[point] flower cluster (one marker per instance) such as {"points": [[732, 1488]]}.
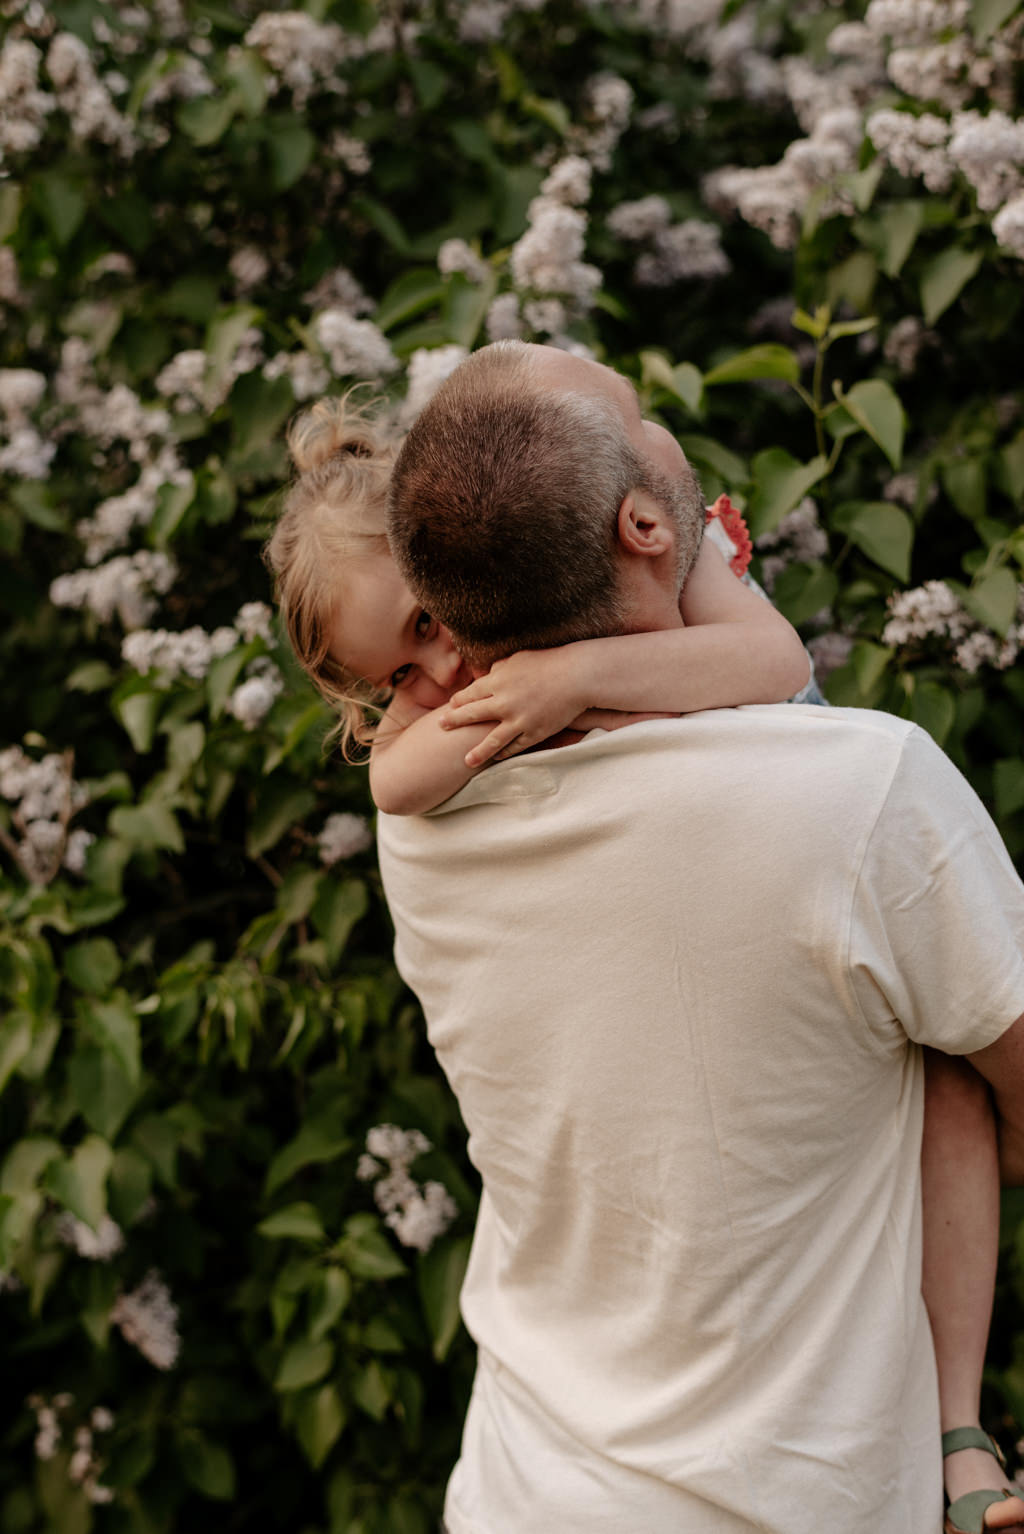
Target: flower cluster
{"points": [[45, 797], [303, 54], [676, 252], [169, 655], [343, 836], [191, 384], [148, 1318], [934, 611], [417, 1215], [458, 256], [553, 283], [798, 538], [253, 698], [84, 1466], [354, 348], [428, 368], [127, 585], [98, 1245], [24, 454]]}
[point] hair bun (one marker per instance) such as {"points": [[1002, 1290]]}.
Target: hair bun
{"points": [[335, 429]]}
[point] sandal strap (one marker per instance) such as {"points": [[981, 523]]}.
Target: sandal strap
{"points": [[970, 1438], [967, 1513]]}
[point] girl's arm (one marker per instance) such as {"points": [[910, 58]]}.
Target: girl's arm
{"points": [[415, 764], [735, 648]]}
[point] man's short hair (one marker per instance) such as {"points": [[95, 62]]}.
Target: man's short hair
{"points": [[504, 503]]}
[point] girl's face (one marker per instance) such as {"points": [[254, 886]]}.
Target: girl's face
{"points": [[381, 633]]}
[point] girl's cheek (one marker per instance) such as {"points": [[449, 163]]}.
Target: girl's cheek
{"points": [[426, 693]]}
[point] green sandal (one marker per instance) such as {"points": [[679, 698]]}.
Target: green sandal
{"points": [[967, 1514]]}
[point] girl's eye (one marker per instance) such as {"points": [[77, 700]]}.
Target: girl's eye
{"points": [[424, 623], [399, 676]]}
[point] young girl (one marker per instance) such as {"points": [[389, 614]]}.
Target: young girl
{"points": [[366, 643]]}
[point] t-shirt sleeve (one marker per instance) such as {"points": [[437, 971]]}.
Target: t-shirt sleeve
{"points": [[936, 943]]}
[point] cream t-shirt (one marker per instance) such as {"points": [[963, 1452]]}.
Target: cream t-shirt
{"points": [[674, 974]]}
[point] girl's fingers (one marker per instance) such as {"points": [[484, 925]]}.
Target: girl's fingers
{"points": [[473, 712], [496, 742]]}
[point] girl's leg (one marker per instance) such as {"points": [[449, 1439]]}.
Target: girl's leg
{"points": [[960, 1183]]}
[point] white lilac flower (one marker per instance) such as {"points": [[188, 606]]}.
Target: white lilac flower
{"points": [[303, 53], [641, 219], [26, 455], [148, 1319], [546, 258], [428, 369], [608, 105], [101, 1419], [904, 342], [343, 836], [568, 181], [25, 106], [914, 146], [457, 256], [545, 315], [307, 374], [48, 1433], [482, 21], [98, 1245], [799, 538], [21, 389], [685, 251], [85, 97], [829, 651], [114, 519], [124, 585], [354, 348], [189, 652], [253, 621], [252, 700], [353, 153], [504, 322], [989, 150], [182, 379], [75, 849], [1008, 226], [417, 1215], [249, 267], [338, 289], [924, 612], [184, 79]]}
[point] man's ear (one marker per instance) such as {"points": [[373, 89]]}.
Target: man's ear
{"points": [[644, 527]]}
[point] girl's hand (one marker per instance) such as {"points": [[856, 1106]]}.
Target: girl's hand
{"points": [[531, 696]]}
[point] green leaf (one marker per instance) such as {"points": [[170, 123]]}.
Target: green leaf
{"points": [[304, 1363], [366, 1251], [281, 805], [769, 360], [371, 1392], [893, 232], [319, 1422], [885, 533], [100, 1090], [943, 279], [25, 1164], [869, 661], [337, 908], [172, 502], [384, 221], [138, 711], [15, 1043], [932, 706], [129, 1186], [206, 119], [259, 406], [150, 826], [987, 16], [90, 676], [295, 1222], [308, 718], [705, 451], [327, 1301], [465, 307], [206, 1465], [780, 483], [61, 201], [1011, 468], [439, 1278], [877, 410], [1008, 778], [80, 1182], [315, 1143], [429, 80], [964, 483], [993, 601], [802, 590], [415, 290], [297, 892], [157, 1139], [114, 1026], [92, 965], [684, 382]]}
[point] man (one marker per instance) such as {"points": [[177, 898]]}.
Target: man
{"points": [[677, 976]]}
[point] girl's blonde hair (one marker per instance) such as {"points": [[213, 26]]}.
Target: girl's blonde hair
{"points": [[342, 452]]}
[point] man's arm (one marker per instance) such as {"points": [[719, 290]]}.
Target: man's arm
{"points": [[1002, 1065]]}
